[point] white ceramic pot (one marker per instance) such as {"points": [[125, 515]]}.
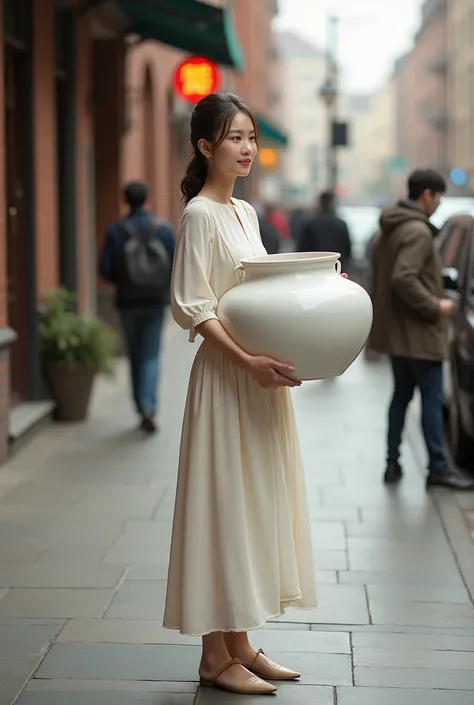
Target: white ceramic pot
{"points": [[297, 308]]}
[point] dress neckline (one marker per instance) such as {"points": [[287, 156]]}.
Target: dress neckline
{"points": [[232, 204], [232, 207]]}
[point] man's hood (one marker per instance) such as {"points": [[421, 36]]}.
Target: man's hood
{"points": [[403, 212]]}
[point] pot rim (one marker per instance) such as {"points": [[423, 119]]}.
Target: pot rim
{"points": [[295, 258]]}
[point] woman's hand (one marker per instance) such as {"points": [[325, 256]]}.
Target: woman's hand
{"points": [[269, 372]]}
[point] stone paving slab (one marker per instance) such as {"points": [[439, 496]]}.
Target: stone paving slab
{"points": [[413, 642], [412, 559], [421, 613], [387, 696], [65, 532], [152, 632], [20, 640], [21, 651], [408, 658], [122, 631], [286, 695], [336, 514], [419, 593], [15, 673], [101, 686], [383, 629], [12, 687], [159, 572], [172, 663], [401, 578], [368, 497], [394, 530], [138, 599], [111, 698], [55, 603], [21, 552], [346, 604], [64, 574], [331, 560], [414, 678], [132, 553]]}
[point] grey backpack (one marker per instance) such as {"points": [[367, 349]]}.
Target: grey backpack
{"points": [[145, 271]]}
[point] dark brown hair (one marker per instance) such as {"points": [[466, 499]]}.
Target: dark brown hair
{"points": [[211, 120]]}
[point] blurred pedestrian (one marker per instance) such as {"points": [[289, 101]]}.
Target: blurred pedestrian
{"points": [[297, 220], [278, 219], [409, 322], [324, 231], [268, 232], [137, 258]]}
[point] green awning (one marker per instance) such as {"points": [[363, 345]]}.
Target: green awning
{"points": [[192, 26], [269, 132]]}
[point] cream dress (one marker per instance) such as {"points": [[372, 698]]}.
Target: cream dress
{"points": [[241, 545]]}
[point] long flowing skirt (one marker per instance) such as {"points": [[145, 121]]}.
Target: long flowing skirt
{"points": [[241, 545]]}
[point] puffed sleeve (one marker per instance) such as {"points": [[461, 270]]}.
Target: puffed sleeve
{"points": [[192, 298]]}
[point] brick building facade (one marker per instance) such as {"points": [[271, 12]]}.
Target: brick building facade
{"points": [[461, 88], [88, 103], [421, 87]]}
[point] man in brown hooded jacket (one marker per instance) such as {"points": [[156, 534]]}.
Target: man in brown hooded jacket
{"points": [[409, 321]]}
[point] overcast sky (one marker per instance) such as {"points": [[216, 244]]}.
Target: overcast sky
{"points": [[372, 33]]}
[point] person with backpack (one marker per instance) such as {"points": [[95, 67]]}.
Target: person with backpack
{"points": [[137, 258]]}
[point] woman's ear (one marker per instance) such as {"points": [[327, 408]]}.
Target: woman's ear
{"points": [[204, 148]]}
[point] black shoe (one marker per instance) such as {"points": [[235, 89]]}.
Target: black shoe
{"points": [[149, 425], [393, 473], [450, 479]]}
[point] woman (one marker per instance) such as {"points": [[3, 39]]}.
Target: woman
{"points": [[241, 548]]}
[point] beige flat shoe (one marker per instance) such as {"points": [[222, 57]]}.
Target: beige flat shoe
{"points": [[235, 678], [264, 668]]}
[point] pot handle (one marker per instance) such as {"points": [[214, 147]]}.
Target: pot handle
{"points": [[240, 273], [338, 266]]}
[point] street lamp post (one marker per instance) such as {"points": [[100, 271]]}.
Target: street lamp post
{"points": [[329, 93]]}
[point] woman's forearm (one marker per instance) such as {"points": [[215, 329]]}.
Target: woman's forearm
{"points": [[213, 331]]}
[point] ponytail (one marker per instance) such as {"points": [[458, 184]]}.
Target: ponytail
{"points": [[195, 177]]}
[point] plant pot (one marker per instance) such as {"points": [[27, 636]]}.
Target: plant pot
{"points": [[71, 388], [296, 308]]}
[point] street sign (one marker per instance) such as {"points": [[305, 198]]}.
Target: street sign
{"points": [[398, 163]]}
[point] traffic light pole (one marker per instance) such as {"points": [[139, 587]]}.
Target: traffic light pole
{"points": [[332, 77]]}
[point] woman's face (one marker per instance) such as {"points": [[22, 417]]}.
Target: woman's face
{"points": [[235, 155]]}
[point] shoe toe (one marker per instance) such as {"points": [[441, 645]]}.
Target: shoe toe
{"points": [[265, 668]]}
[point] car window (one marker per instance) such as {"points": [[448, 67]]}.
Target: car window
{"points": [[454, 248]]}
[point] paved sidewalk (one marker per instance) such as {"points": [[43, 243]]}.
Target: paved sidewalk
{"points": [[85, 516]]}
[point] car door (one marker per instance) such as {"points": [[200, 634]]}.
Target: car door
{"points": [[464, 348], [454, 249]]}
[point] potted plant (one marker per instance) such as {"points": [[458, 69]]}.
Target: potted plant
{"points": [[76, 348]]}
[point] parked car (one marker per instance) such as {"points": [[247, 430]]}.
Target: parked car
{"points": [[451, 206], [362, 222], [456, 247]]}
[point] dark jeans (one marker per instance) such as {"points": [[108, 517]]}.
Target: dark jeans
{"points": [[142, 331], [428, 377]]}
